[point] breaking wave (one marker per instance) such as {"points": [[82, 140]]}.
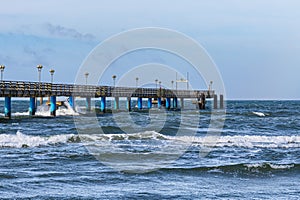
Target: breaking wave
{"points": [[246, 168], [248, 141], [43, 111], [20, 140]]}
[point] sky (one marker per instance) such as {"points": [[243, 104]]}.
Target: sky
{"points": [[254, 44]]}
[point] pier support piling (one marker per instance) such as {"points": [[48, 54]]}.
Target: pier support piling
{"points": [[215, 101], [72, 102], [175, 102], [103, 104], [88, 104], [32, 108], [116, 103], [159, 102], [149, 103], [53, 105], [140, 103], [7, 107], [128, 104], [181, 103], [221, 101], [168, 103]]}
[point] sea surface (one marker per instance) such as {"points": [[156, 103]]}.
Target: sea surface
{"points": [[152, 154]]}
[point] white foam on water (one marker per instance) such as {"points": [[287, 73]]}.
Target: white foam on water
{"points": [[278, 166], [245, 141], [44, 111], [248, 141], [68, 111], [147, 135], [260, 114], [20, 140], [273, 166]]}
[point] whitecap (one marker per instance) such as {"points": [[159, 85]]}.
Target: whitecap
{"points": [[260, 114], [20, 140]]}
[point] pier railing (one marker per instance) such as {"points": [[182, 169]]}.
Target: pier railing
{"points": [[42, 89]]}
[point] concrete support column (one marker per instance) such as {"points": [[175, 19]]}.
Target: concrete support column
{"points": [[149, 103], [7, 107], [32, 106], [116, 103], [159, 102], [175, 102], [140, 103], [181, 103], [128, 104], [103, 104], [72, 102], [88, 104], [221, 101], [168, 103], [215, 101], [41, 101], [53, 105]]}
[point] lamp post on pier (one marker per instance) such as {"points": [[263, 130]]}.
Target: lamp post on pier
{"points": [[52, 73], [114, 79], [136, 81], [172, 82], [2, 67], [86, 77], [156, 80], [210, 86], [40, 67]]}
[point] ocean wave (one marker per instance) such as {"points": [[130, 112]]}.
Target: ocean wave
{"points": [[243, 168], [43, 111], [246, 141], [260, 114], [243, 141], [20, 140], [147, 135]]}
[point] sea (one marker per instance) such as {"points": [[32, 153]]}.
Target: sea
{"points": [[252, 153]]}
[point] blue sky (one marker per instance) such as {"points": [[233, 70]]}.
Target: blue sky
{"points": [[255, 44]]}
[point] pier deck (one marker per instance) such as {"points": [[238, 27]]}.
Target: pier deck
{"points": [[36, 89], [162, 96]]}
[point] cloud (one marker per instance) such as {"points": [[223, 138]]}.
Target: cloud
{"points": [[53, 31], [60, 31]]}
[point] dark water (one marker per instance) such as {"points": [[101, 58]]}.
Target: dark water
{"points": [[142, 155]]}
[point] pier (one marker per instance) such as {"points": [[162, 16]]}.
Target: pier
{"points": [[162, 96]]}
